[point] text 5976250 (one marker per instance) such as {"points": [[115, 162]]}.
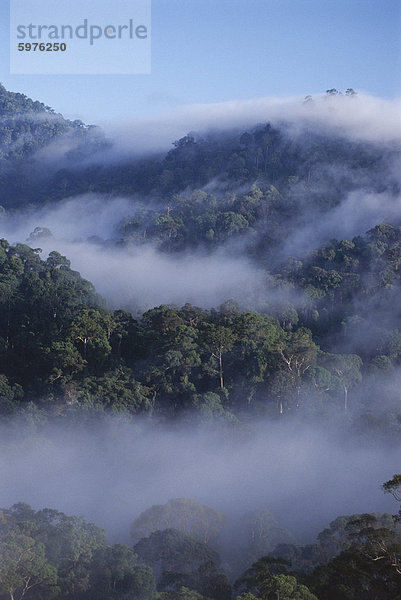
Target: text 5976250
{"points": [[42, 47]]}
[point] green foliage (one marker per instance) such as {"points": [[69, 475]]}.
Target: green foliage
{"points": [[115, 574], [264, 581], [170, 550], [58, 343], [182, 514], [27, 125], [313, 349], [24, 569], [393, 486], [284, 587], [182, 561], [10, 396], [47, 554]]}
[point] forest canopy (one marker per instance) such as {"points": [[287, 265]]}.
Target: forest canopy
{"points": [[309, 347]]}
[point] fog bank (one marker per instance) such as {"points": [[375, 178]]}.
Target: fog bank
{"points": [[111, 471], [139, 277], [361, 117]]}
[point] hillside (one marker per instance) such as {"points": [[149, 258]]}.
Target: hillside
{"points": [[264, 378], [315, 334]]}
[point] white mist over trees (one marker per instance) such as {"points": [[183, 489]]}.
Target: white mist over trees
{"points": [[200, 351]]}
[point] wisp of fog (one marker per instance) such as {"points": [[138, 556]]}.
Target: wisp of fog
{"points": [[112, 471], [143, 277], [137, 277], [362, 117]]}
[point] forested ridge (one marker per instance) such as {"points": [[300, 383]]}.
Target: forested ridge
{"points": [[317, 342], [62, 348]]}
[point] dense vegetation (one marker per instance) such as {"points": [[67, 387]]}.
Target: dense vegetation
{"points": [[321, 342], [62, 349], [60, 346], [26, 126], [47, 554], [306, 164]]}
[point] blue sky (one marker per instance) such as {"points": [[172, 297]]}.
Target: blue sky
{"points": [[218, 50]]}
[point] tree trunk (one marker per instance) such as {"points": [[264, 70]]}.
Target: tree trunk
{"points": [[221, 370]]}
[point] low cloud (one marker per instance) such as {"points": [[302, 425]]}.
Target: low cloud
{"points": [[112, 471], [360, 117], [137, 277]]}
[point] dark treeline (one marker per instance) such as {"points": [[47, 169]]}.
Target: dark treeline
{"points": [[186, 551]]}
